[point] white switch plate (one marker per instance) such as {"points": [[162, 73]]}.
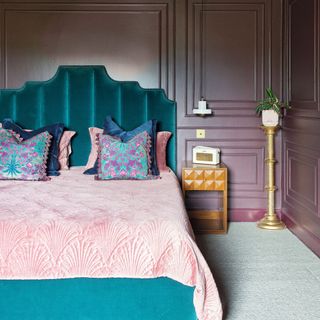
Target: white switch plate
{"points": [[200, 133]]}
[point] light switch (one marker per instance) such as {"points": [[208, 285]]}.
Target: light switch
{"points": [[200, 133]]}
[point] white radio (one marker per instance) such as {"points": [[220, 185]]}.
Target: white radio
{"points": [[206, 155]]}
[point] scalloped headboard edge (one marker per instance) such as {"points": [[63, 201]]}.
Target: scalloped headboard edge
{"points": [[81, 97]]}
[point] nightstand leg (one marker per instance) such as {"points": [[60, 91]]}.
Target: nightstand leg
{"points": [[225, 207]]}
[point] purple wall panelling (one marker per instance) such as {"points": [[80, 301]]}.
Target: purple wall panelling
{"points": [[238, 53], [133, 40], [301, 145], [230, 63], [160, 44]]}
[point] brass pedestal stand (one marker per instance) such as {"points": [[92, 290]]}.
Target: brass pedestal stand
{"points": [[270, 220]]}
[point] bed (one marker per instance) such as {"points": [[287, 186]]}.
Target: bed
{"points": [[86, 249]]}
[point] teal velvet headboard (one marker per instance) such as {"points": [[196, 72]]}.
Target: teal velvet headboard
{"points": [[81, 97]]}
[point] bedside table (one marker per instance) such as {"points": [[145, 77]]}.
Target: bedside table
{"points": [[196, 177]]}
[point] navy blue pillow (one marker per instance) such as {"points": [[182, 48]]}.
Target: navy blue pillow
{"points": [[55, 131], [112, 129]]}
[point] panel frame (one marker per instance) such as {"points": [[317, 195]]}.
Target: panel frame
{"points": [[242, 194], [164, 9], [310, 158], [224, 110], [304, 108]]}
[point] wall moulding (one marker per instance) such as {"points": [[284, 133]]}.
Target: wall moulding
{"points": [[303, 56], [301, 129], [243, 150], [249, 158], [140, 55], [302, 174], [227, 92], [303, 138], [2, 49]]}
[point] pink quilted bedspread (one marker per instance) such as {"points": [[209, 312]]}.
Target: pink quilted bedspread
{"points": [[74, 226]]}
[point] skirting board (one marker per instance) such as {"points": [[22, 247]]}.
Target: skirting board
{"points": [[310, 240], [245, 215]]}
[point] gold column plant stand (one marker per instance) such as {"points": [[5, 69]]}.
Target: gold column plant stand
{"points": [[270, 220], [271, 109]]}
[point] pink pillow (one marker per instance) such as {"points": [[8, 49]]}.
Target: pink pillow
{"points": [[65, 149], [93, 131], [162, 140]]}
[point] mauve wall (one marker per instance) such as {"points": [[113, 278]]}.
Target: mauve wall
{"points": [[301, 134], [160, 44]]}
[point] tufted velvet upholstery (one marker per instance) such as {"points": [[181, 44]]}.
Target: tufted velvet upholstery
{"points": [[81, 97]]}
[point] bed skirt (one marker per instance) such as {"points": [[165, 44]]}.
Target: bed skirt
{"points": [[96, 299]]}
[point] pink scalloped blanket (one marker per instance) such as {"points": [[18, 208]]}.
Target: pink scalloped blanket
{"points": [[75, 226]]}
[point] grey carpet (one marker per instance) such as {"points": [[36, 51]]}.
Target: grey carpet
{"points": [[263, 274]]}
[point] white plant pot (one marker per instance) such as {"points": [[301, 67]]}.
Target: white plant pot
{"points": [[270, 118]]}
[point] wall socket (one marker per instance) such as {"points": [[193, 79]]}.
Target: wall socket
{"points": [[200, 133]]}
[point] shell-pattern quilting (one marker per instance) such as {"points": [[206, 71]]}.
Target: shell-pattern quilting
{"points": [[75, 226], [31, 259], [132, 257], [158, 235], [10, 234], [4, 268], [179, 266], [211, 297], [166, 257], [57, 236], [108, 235], [81, 258]]}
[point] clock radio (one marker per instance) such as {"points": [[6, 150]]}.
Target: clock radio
{"points": [[206, 155]]}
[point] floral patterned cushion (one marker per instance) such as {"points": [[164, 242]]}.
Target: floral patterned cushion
{"points": [[124, 160], [24, 160], [7, 136], [55, 130]]}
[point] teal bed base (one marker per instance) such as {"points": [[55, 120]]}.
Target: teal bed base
{"points": [[80, 97], [96, 299]]}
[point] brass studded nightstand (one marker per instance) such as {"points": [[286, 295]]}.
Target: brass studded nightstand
{"points": [[207, 178]]}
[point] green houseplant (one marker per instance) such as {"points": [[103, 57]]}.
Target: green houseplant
{"points": [[271, 109]]}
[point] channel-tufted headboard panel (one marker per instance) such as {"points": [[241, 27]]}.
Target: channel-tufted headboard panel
{"points": [[81, 97]]}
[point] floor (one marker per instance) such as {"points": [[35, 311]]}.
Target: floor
{"points": [[263, 274]]}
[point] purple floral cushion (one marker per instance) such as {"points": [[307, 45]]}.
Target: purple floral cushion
{"points": [[8, 136], [24, 160], [124, 160]]}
